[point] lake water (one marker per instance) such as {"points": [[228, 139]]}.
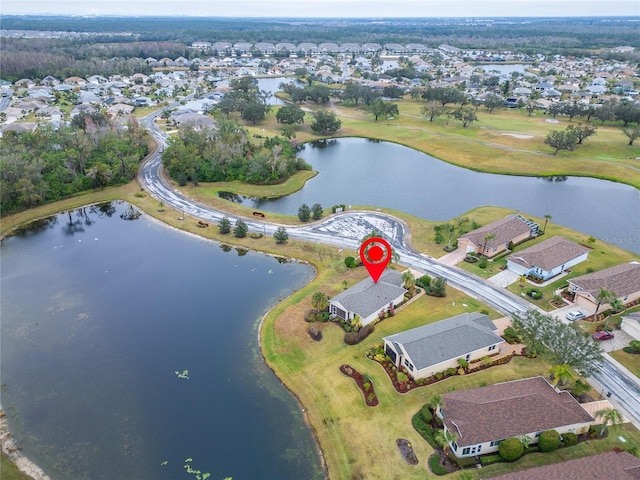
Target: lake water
{"points": [[272, 85], [98, 315], [504, 68], [357, 171]]}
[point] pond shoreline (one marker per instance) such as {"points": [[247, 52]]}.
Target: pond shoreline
{"points": [[13, 452]]}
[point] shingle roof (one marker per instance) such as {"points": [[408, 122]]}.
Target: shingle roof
{"points": [[367, 297], [621, 279], [509, 409], [447, 339], [549, 254], [610, 465], [505, 230]]}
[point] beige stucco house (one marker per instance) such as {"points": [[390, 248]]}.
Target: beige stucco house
{"points": [[434, 348], [622, 280], [631, 324], [495, 238], [481, 418]]}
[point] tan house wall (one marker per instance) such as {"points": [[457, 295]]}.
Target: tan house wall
{"points": [[468, 246], [586, 301], [631, 327], [452, 363]]}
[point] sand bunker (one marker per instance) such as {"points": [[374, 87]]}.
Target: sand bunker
{"points": [[551, 120], [518, 135]]}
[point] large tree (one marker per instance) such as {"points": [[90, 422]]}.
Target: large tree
{"points": [[290, 114], [465, 115], [493, 101], [325, 123], [561, 140], [561, 343], [582, 132], [432, 109], [632, 132], [379, 107]]}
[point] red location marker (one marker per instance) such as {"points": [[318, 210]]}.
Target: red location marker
{"points": [[375, 253]]}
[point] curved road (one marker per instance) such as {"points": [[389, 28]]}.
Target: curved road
{"points": [[347, 229]]}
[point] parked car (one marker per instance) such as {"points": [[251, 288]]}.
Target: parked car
{"points": [[602, 335], [574, 315]]}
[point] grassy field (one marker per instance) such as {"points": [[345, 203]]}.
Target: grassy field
{"points": [[631, 361], [9, 471]]}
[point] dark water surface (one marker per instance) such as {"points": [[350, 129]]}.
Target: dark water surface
{"points": [[357, 171], [98, 314]]}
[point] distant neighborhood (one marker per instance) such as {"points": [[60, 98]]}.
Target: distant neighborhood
{"points": [[535, 81]]}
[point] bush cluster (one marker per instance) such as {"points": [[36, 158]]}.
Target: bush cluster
{"points": [[350, 262], [569, 439], [510, 335], [424, 429], [535, 294], [549, 441], [424, 281], [435, 466], [511, 449], [353, 338]]}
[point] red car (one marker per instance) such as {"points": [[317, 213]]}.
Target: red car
{"points": [[602, 335]]}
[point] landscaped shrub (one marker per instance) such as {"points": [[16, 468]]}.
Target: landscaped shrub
{"points": [[569, 439], [535, 294], [353, 338], [434, 465], [511, 449], [424, 429], [424, 281], [470, 259], [510, 335], [323, 316], [483, 262], [350, 262], [633, 348], [549, 441], [425, 414]]}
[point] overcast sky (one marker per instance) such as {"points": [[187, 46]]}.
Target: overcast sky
{"points": [[327, 8]]}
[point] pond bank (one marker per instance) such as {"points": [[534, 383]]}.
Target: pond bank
{"points": [[12, 450]]}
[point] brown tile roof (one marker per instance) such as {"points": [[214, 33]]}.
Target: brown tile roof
{"points": [[509, 409], [605, 466], [621, 279], [505, 230], [549, 254]]}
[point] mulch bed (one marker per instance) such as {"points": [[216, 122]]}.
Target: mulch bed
{"points": [[370, 396], [406, 450]]}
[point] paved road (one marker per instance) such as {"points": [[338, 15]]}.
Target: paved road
{"points": [[347, 229]]}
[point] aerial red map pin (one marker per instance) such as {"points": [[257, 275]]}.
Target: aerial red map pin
{"points": [[375, 253]]}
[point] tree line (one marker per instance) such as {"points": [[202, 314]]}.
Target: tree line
{"points": [[225, 153], [48, 164]]}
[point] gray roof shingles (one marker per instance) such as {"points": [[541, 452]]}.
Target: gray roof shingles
{"points": [[367, 297], [505, 230], [451, 338]]}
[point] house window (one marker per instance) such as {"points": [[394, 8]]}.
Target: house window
{"points": [[492, 347], [468, 357], [408, 364], [454, 446], [466, 450], [495, 443], [391, 353]]}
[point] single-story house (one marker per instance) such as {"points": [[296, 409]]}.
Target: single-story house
{"points": [[436, 347], [495, 238], [622, 280], [548, 258], [480, 418], [194, 120], [631, 324], [613, 465], [366, 299]]}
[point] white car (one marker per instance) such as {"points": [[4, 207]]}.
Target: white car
{"points": [[574, 315]]}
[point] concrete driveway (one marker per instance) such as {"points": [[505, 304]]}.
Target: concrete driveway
{"points": [[504, 278]]}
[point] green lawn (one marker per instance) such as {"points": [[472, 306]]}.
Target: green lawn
{"points": [[9, 471]]}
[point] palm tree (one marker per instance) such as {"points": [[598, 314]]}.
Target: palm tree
{"points": [[608, 416], [487, 237], [547, 217], [409, 280], [604, 296], [560, 374], [616, 307]]}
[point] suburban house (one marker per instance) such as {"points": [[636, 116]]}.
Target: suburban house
{"points": [[434, 348], [548, 258], [618, 465], [623, 280], [480, 418], [495, 238], [366, 299], [631, 324]]}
